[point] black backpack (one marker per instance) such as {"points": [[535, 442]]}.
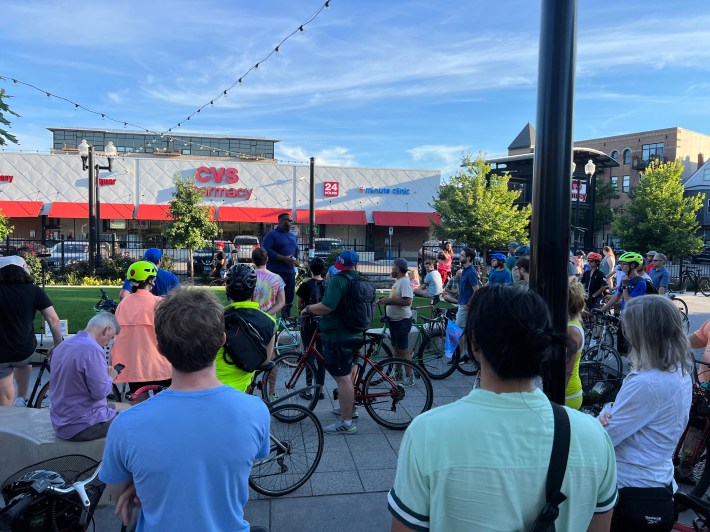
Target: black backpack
{"points": [[244, 347], [359, 305], [317, 292], [650, 289]]}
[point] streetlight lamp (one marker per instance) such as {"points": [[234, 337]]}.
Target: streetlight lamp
{"points": [[86, 152], [589, 170]]}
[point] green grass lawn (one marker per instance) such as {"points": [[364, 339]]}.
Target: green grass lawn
{"points": [[76, 304]]}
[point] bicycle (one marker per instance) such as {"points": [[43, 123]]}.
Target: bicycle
{"points": [[690, 454], [295, 450], [388, 402], [701, 508], [57, 494], [700, 282], [288, 335], [600, 329]]}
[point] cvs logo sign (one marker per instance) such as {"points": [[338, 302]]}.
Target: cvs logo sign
{"points": [[230, 175]]}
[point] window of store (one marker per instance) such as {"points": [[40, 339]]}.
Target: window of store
{"points": [[652, 151], [625, 183], [615, 181], [627, 156]]}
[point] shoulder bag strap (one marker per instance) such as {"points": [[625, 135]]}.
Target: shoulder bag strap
{"points": [[556, 470]]}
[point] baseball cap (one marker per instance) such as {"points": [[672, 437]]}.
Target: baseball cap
{"points": [[651, 253], [14, 260], [153, 255], [346, 260], [513, 244], [220, 244], [401, 263]]}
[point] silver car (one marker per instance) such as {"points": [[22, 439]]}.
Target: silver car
{"points": [[243, 246], [71, 252]]}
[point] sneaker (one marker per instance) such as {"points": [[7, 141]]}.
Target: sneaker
{"points": [[20, 401], [399, 376], [408, 381], [340, 427], [356, 413]]}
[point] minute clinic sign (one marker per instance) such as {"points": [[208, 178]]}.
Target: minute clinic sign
{"points": [[211, 175]]}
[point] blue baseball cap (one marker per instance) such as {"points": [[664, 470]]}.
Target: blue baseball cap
{"points": [[153, 255], [498, 256], [346, 260]]}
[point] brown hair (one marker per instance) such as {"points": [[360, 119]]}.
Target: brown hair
{"points": [[259, 256], [12, 274], [189, 344], [524, 263]]}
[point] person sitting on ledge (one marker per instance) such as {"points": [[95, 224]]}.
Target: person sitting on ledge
{"points": [[80, 380]]}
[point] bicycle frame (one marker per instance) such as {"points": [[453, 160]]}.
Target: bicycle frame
{"points": [[295, 342], [38, 381]]}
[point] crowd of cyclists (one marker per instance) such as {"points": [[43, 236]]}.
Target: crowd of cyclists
{"points": [[451, 474]]}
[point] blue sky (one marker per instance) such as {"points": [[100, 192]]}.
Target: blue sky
{"points": [[399, 84]]}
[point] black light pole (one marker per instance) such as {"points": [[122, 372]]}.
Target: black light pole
{"points": [[86, 152], [312, 211], [553, 153]]}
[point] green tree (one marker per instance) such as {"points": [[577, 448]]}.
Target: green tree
{"points": [[658, 216], [4, 109], [5, 227], [604, 192], [477, 207], [191, 226]]}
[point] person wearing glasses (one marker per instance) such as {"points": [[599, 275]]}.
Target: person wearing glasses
{"points": [[660, 276], [282, 248]]}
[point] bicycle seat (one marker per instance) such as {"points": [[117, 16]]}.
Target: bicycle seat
{"points": [[375, 335]]}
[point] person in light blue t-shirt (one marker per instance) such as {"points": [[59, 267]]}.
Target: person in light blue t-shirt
{"points": [[186, 453]]}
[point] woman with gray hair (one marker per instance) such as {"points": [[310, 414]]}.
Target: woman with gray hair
{"points": [[650, 413]]}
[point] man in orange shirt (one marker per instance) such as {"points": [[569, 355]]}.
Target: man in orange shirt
{"points": [[137, 346]]}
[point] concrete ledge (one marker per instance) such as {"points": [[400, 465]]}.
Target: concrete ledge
{"points": [[27, 437]]}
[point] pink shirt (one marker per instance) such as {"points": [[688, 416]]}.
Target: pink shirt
{"points": [[136, 346]]}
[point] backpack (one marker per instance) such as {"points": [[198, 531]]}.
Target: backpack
{"points": [[317, 292], [650, 289], [359, 305], [244, 347]]}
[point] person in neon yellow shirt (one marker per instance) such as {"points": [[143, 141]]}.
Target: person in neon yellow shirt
{"points": [[240, 283], [575, 306]]}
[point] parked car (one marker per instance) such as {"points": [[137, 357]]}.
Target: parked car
{"points": [[72, 251], [243, 246], [325, 246], [703, 256], [203, 258]]}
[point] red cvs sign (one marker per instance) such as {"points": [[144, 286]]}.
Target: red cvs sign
{"points": [[205, 174]]}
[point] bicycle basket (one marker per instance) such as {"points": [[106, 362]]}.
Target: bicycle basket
{"points": [[49, 508]]}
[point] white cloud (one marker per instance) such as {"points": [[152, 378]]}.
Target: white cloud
{"points": [[445, 158], [336, 156], [118, 96]]}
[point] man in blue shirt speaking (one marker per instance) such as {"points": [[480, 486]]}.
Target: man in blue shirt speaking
{"points": [[164, 282], [281, 246]]}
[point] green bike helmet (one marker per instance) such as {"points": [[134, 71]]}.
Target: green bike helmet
{"points": [[141, 271], [631, 256]]}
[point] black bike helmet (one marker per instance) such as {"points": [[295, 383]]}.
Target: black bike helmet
{"points": [[240, 281]]}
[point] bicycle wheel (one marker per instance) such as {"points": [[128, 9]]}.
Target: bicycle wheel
{"points": [[42, 400], [682, 306], [388, 401], [686, 322], [609, 361], [289, 375], [433, 360], [296, 450], [704, 286]]}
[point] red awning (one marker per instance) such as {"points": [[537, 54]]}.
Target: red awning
{"points": [[405, 219], [249, 214], [116, 211], [20, 209], [333, 217], [153, 212], [65, 209]]}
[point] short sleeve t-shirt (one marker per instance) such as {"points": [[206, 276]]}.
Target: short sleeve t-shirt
{"points": [[332, 326], [18, 305], [489, 474], [500, 277], [189, 455], [434, 283], [268, 285], [401, 288]]}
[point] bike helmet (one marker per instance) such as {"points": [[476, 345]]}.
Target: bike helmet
{"points": [[141, 271], [594, 256], [522, 251], [631, 256], [240, 281], [498, 256]]}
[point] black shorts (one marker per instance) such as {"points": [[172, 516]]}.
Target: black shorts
{"points": [[643, 509], [338, 356]]}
